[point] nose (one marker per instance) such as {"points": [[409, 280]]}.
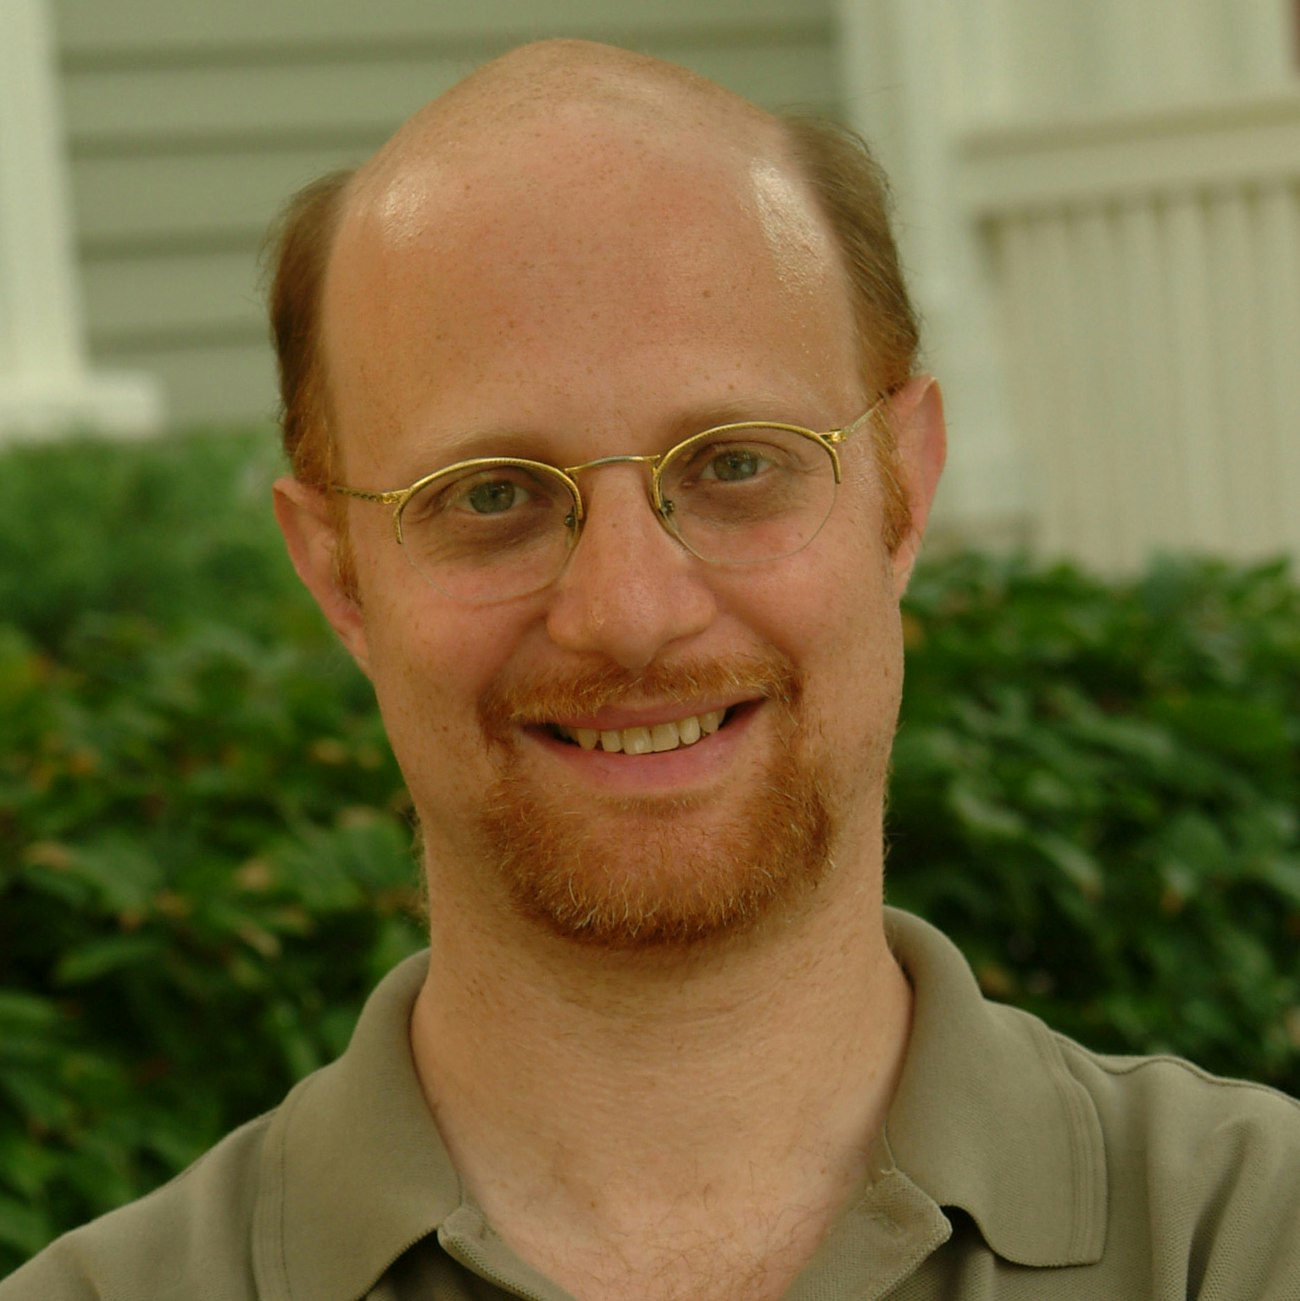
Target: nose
{"points": [[629, 590]]}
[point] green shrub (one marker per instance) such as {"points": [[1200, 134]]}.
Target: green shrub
{"points": [[205, 851], [204, 848], [173, 531], [1096, 792]]}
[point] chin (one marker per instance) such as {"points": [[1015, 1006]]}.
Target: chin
{"points": [[661, 873]]}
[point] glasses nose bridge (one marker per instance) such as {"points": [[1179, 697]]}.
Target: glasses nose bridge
{"points": [[653, 461]]}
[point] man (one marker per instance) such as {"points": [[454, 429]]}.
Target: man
{"points": [[666, 1042]]}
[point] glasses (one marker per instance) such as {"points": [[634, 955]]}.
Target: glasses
{"points": [[498, 527]]}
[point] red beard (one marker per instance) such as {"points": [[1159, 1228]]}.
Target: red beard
{"points": [[636, 873]]}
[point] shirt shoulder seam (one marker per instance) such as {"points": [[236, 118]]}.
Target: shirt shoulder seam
{"points": [[1119, 1066]]}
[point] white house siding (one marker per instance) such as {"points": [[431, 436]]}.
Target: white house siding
{"points": [[1100, 210], [1149, 277], [190, 122]]}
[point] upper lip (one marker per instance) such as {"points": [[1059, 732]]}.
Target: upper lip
{"points": [[616, 720]]}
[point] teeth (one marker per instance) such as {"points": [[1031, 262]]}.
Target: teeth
{"points": [[658, 739], [665, 736], [636, 740]]}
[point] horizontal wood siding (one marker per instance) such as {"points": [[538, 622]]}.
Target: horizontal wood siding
{"points": [[189, 125]]}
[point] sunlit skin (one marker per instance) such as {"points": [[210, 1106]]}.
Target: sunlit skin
{"points": [[566, 281]]}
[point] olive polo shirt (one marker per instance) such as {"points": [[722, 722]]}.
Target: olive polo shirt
{"points": [[1017, 1165]]}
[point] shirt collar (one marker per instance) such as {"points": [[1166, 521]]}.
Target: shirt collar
{"points": [[987, 1116], [353, 1170]]}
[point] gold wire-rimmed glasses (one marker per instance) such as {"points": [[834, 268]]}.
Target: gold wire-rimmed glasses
{"points": [[497, 527]]}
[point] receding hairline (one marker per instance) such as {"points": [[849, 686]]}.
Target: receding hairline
{"points": [[535, 82]]}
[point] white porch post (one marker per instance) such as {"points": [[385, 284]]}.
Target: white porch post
{"points": [[45, 386]]}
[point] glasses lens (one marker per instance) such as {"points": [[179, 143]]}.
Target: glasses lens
{"points": [[490, 530], [746, 494]]}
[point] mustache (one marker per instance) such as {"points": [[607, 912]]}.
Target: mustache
{"points": [[544, 697]]}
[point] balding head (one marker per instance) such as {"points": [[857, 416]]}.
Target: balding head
{"points": [[547, 125], [536, 82], [565, 127]]}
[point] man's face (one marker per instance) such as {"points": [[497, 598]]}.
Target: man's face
{"points": [[582, 289]]}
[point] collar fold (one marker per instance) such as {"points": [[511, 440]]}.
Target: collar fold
{"points": [[353, 1171], [988, 1117]]}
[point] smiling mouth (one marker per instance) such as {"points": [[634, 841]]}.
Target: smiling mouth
{"points": [[658, 739]]}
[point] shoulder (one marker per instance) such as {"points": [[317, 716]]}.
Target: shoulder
{"points": [[1147, 1175], [1178, 1113], [198, 1226], [1206, 1165]]}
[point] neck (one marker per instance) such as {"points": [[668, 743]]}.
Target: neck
{"points": [[595, 1092]]}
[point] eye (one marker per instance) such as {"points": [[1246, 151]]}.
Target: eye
{"points": [[493, 496], [492, 490], [716, 464], [487, 495], [732, 464]]}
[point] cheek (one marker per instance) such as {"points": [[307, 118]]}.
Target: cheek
{"points": [[853, 636], [429, 662], [430, 658], [414, 687], [832, 612]]}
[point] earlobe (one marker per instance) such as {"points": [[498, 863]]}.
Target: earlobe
{"points": [[311, 536], [922, 449]]}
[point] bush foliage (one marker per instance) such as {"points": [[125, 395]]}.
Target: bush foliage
{"points": [[205, 855], [1097, 794]]}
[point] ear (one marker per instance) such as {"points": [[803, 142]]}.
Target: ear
{"points": [[307, 523], [917, 410]]}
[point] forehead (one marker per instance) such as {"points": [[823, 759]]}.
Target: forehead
{"points": [[588, 255]]}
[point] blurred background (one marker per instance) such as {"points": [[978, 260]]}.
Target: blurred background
{"points": [[1098, 203]]}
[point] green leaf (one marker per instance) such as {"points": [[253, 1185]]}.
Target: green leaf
{"points": [[1075, 863], [982, 816], [100, 957], [1250, 730], [23, 1227], [1094, 791]]}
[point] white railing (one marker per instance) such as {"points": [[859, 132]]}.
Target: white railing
{"points": [[1148, 270]]}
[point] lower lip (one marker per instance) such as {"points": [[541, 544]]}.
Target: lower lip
{"points": [[685, 767]]}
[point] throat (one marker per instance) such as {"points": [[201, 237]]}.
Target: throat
{"points": [[633, 1151], [684, 1252]]}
